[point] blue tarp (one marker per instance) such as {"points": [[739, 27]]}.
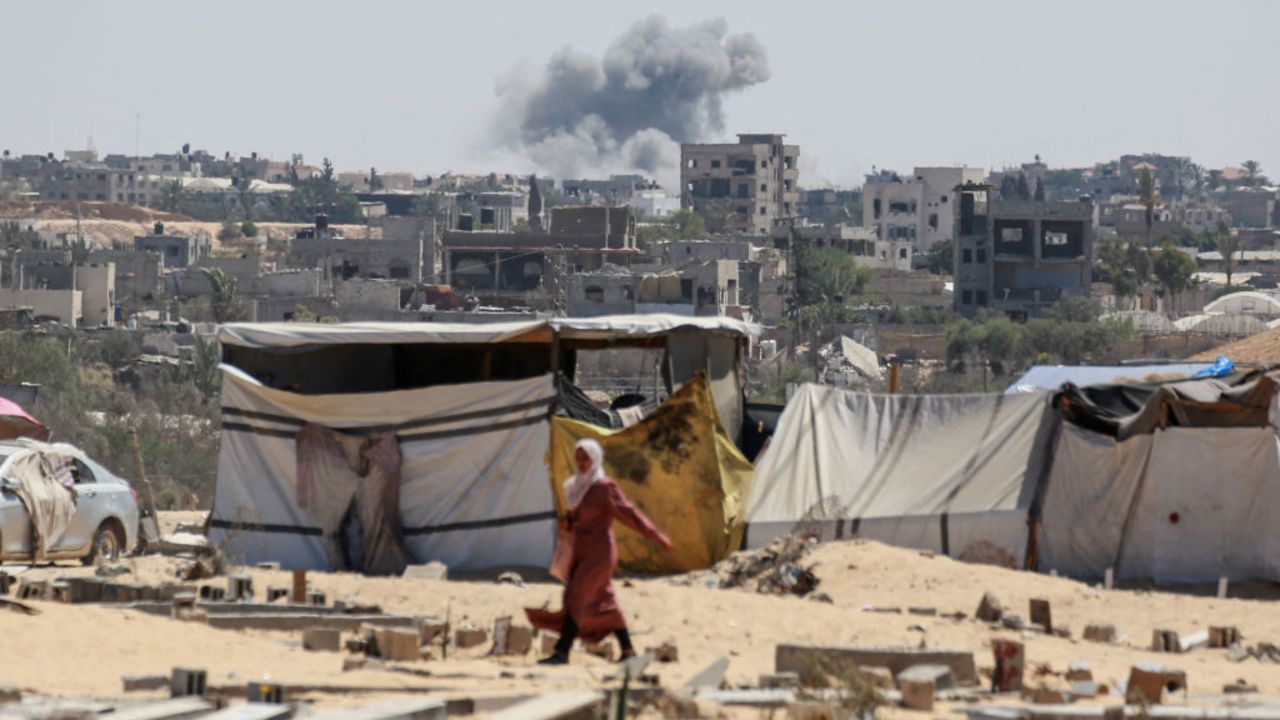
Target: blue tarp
{"points": [[1051, 377], [1221, 367]]}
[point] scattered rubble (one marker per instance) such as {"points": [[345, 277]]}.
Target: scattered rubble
{"points": [[775, 569]]}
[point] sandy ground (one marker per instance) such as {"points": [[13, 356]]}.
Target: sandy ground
{"points": [[706, 624]]}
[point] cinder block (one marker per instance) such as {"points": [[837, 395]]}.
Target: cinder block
{"points": [[432, 631], [261, 692], [1042, 614], [239, 588], [322, 639], [1223, 637], [1146, 684], [187, 681], [397, 644], [469, 637], [917, 695], [939, 675]]}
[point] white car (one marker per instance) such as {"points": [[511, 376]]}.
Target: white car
{"points": [[104, 527]]}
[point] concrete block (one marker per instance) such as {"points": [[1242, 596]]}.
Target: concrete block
{"points": [[1084, 689], [84, 590], [917, 695], [469, 637], [1042, 614], [139, 683], [989, 609], [1010, 663], [555, 706], [316, 598], [1165, 641], [397, 644], [239, 588], [187, 681], [1193, 641], [6, 582], [808, 661], [208, 593], [276, 593], [939, 675], [1146, 684], [1100, 633], [1050, 696], [263, 692], [519, 640], [878, 676], [432, 632], [433, 570], [1224, 636], [321, 639]]}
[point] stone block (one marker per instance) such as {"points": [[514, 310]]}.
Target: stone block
{"points": [[433, 570], [939, 675], [1165, 641], [1042, 614], [1223, 637], [187, 681], [917, 695], [1146, 684], [239, 588], [469, 637], [321, 639], [989, 609], [397, 644]]}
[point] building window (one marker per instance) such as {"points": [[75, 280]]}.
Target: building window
{"points": [[715, 163], [933, 221], [764, 164], [1055, 238], [764, 187], [902, 253], [942, 199], [982, 255], [593, 293], [786, 185], [966, 256], [966, 297], [982, 298], [764, 210], [691, 163]]}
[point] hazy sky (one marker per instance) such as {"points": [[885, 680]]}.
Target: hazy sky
{"points": [[411, 85]]}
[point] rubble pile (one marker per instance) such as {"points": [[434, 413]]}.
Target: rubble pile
{"points": [[776, 569]]}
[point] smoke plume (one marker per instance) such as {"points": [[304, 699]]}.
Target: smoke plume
{"points": [[655, 87]]}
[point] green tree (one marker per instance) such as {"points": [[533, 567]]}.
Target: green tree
{"points": [[224, 305], [942, 257], [229, 232], [1125, 264], [1252, 172], [1173, 269], [249, 229], [1147, 196], [1228, 244], [173, 197], [831, 275], [719, 216]]}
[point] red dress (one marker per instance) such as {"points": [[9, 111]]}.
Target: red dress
{"points": [[589, 596]]}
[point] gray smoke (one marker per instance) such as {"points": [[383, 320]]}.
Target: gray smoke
{"points": [[655, 87]]}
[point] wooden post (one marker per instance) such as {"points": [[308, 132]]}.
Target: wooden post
{"points": [[148, 498], [299, 595], [893, 377]]}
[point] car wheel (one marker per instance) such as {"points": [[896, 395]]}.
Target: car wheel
{"points": [[107, 544]]}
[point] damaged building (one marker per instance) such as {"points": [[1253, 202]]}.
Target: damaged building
{"points": [[406, 250], [1020, 257], [916, 208], [698, 288], [758, 177]]}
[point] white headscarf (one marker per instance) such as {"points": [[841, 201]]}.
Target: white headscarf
{"points": [[576, 487]]}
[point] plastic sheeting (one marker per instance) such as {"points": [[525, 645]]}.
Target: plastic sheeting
{"points": [[279, 335], [681, 469], [1180, 505], [49, 500], [1052, 377], [953, 474], [474, 490]]}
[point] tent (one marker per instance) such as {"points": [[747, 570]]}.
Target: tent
{"points": [[680, 467], [1171, 482], [16, 423], [472, 491], [368, 446], [953, 474]]}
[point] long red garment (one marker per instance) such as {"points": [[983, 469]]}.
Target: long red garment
{"points": [[589, 596]]}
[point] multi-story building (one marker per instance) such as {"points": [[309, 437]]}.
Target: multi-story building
{"points": [[1020, 257], [178, 251], [758, 177], [918, 208], [99, 183]]}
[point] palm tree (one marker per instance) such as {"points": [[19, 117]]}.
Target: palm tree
{"points": [[1228, 244], [224, 305], [1252, 171], [1147, 191]]}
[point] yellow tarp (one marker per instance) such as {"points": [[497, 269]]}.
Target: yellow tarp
{"points": [[680, 467]]}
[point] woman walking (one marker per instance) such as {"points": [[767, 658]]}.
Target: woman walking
{"points": [[590, 607]]}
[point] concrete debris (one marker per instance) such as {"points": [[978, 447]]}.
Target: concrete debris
{"points": [[939, 675], [1100, 633], [1013, 622], [989, 609], [322, 639], [1239, 687], [775, 569], [814, 662], [511, 578]]}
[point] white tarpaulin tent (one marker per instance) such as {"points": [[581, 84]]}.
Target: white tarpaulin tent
{"points": [[954, 474], [473, 486], [1177, 505]]}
